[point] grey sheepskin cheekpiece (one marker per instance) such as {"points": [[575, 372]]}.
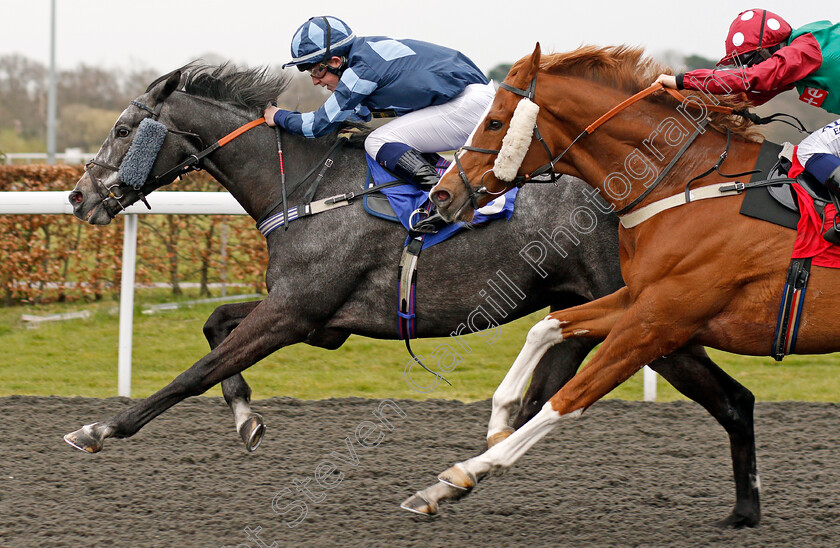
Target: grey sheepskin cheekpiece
{"points": [[137, 164]]}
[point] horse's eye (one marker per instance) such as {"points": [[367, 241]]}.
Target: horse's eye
{"points": [[494, 125], [123, 132]]}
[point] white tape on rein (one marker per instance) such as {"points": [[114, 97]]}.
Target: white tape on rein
{"points": [[517, 140]]}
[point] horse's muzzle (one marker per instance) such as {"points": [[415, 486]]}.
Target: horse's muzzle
{"points": [[88, 206]]}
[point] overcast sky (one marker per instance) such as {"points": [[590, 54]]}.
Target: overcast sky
{"points": [[165, 34]]}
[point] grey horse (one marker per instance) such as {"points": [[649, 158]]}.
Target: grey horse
{"points": [[335, 273]]}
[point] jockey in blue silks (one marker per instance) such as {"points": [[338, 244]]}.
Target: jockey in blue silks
{"points": [[437, 94]]}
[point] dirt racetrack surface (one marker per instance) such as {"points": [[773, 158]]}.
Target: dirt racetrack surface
{"points": [[625, 474]]}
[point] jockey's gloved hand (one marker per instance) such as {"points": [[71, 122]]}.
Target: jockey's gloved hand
{"points": [[349, 133], [275, 116]]}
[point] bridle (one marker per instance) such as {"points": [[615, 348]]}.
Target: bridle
{"points": [[108, 192], [192, 163], [474, 194]]}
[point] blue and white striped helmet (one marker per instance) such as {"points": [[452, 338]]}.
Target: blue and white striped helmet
{"points": [[318, 39]]}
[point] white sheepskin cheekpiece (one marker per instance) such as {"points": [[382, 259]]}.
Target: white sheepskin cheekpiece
{"points": [[517, 140]]}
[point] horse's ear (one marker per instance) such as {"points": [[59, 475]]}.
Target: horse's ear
{"points": [[168, 87], [534, 62]]}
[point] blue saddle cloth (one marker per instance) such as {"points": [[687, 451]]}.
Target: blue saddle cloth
{"points": [[406, 199]]}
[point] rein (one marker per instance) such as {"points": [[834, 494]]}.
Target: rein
{"points": [[193, 163]]}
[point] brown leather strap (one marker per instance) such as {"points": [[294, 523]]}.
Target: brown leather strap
{"points": [[621, 106], [239, 131], [641, 95]]}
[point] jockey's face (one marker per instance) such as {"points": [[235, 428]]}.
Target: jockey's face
{"points": [[322, 77]]}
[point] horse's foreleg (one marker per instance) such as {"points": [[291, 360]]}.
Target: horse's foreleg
{"points": [[633, 341], [557, 366], [691, 372], [262, 332], [601, 315], [236, 391], [595, 321]]}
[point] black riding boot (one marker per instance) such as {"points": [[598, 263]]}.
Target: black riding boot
{"points": [[833, 185], [413, 168]]}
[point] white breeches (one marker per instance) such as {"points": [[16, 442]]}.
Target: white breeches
{"points": [[437, 128]]}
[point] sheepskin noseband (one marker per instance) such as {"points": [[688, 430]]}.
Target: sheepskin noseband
{"points": [[517, 140], [137, 164]]}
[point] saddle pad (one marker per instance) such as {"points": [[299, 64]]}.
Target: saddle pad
{"points": [[809, 232], [759, 203], [405, 199], [377, 204]]}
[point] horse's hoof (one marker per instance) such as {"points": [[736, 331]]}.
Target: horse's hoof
{"points": [[84, 439], [458, 478], [252, 431], [738, 521], [417, 504], [499, 436]]}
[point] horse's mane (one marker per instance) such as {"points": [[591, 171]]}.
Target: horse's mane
{"points": [[628, 69], [249, 89]]}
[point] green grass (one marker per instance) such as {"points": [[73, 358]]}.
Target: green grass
{"points": [[79, 358]]}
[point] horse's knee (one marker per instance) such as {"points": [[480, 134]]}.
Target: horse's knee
{"points": [[545, 332], [212, 326], [219, 325], [737, 418]]}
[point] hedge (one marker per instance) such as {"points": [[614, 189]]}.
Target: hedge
{"points": [[46, 258]]}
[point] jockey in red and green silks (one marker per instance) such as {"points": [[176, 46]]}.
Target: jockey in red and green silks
{"points": [[765, 57]]}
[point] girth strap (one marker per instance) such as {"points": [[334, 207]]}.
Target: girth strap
{"points": [[406, 290], [704, 192], [790, 309]]}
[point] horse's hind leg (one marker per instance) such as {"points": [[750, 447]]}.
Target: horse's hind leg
{"points": [[236, 391], [691, 372]]}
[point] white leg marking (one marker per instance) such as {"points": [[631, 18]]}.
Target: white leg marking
{"points": [[511, 449], [435, 493], [508, 395], [241, 412], [101, 430]]}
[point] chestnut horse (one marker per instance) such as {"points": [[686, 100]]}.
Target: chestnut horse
{"points": [[700, 274]]}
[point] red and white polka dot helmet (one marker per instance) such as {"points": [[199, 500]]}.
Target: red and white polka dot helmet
{"points": [[753, 30]]}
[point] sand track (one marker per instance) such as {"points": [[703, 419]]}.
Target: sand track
{"points": [[626, 474]]}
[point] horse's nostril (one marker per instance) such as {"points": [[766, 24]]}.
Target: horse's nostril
{"points": [[76, 197], [441, 196]]}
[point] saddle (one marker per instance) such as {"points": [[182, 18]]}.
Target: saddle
{"points": [[378, 205], [778, 204]]}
